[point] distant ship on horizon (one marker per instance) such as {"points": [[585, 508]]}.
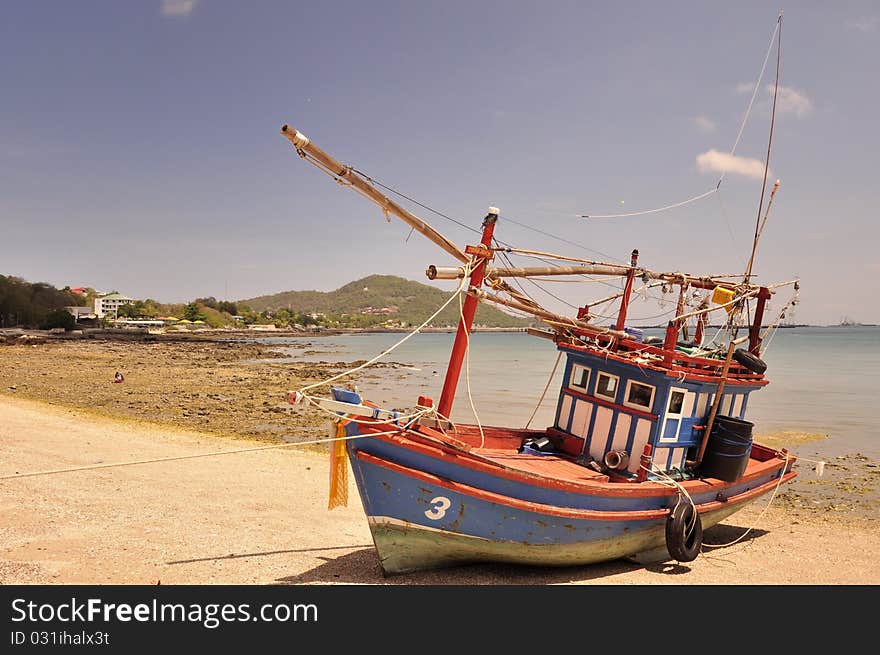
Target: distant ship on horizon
{"points": [[846, 321]]}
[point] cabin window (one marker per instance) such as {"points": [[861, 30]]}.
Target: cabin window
{"points": [[639, 395], [606, 386], [580, 375], [676, 402], [679, 404]]}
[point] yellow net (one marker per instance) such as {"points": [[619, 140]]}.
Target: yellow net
{"points": [[338, 470]]}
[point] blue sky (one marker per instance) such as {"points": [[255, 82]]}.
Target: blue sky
{"points": [[140, 146]]}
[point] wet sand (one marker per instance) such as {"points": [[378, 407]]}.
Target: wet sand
{"points": [[210, 386], [261, 517]]}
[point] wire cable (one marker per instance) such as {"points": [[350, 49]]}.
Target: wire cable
{"points": [[736, 142]]}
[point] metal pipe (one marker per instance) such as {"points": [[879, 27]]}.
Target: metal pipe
{"points": [[616, 460], [444, 272]]}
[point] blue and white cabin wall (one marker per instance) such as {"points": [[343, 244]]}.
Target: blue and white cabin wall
{"points": [[617, 406]]}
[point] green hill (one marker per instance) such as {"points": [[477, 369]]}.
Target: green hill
{"points": [[414, 302]]}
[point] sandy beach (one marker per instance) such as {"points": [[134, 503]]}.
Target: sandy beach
{"points": [[260, 517]]}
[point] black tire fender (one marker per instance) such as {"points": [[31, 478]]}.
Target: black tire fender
{"points": [[684, 532], [752, 362]]}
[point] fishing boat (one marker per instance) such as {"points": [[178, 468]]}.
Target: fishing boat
{"points": [[649, 446]]}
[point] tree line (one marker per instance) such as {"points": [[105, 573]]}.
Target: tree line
{"points": [[35, 304]]}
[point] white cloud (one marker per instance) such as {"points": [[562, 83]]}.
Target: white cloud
{"points": [[178, 7], [791, 101], [704, 124], [863, 24], [713, 161]]}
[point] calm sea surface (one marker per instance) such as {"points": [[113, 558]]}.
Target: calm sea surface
{"points": [[822, 380]]}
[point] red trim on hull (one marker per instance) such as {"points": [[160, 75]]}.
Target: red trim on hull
{"points": [[694, 368], [564, 512], [474, 461]]}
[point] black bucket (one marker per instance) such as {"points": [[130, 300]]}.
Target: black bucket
{"points": [[728, 449]]}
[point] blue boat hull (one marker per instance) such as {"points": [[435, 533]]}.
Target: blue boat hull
{"points": [[423, 518]]}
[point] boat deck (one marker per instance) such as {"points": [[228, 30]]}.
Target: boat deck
{"points": [[564, 468], [548, 466]]}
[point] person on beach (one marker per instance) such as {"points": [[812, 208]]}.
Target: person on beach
{"points": [[118, 377]]}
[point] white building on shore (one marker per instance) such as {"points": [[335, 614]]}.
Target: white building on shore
{"points": [[110, 304]]}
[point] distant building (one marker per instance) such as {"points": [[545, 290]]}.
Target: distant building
{"points": [[140, 322], [81, 312], [380, 311], [110, 304]]}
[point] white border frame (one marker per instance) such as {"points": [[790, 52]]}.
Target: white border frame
{"points": [[667, 415], [616, 387], [627, 403], [571, 376]]}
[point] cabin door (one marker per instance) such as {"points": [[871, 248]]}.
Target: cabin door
{"points": [[679, 406]]}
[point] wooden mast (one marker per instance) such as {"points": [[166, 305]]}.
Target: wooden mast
{"points": [[715, 404], [459, 348], [627, 291]]}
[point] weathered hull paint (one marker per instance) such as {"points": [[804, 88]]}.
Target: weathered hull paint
{"points": [[406, 547], [420, 521]]}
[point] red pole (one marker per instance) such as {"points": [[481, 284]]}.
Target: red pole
{"points": [[453, 371], [755, 329], [673, 327], [627, 291], [702, 321]]}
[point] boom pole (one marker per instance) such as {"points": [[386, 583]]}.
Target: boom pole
{"points": [[314, 155]]}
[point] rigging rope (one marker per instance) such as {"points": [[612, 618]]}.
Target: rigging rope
{"points": [[763, 511], [373, 180], [653, 211], [92, 467], [767, 161], [467, 365], [461, 286], [553, 236], [732, 152], [544, 393]]}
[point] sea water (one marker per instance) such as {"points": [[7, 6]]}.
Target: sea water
{"points": [[822, 380]]}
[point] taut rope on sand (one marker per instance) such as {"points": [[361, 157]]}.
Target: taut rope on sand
{"points": [[181, 457]]}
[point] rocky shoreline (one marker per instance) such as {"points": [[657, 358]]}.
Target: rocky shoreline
{"points": [[235, 388]]}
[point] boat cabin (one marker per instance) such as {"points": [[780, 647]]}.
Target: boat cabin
{"points": [[607, 403]]}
